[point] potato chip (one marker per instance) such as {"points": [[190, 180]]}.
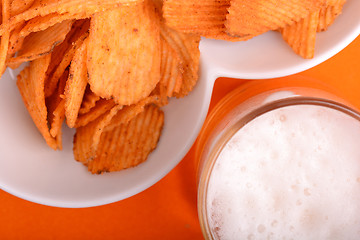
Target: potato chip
{"points": [[129, 112], [87, 138], [254, 17], [101, 107], [124, 53], [301, 35], [329, 13], [46, 7], [205, 18], [5, 38], [76, 85], [51, 83], [41, 23], [42, 43], [31, 86], [171, 71], [19, 6], [89, 101], [128, 145], [56, 110], [15, 41], [187, 48]]}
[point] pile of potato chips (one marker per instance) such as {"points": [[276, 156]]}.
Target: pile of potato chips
{"points": [[106, 67], [237, 20]]}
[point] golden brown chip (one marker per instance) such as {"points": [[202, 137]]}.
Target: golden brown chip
{"points": [[41, 23], [329, 13], [128, 145], [124, 53], [129, 112], [254, 17], [101, 107], [56, 110], [89, 101], [19, 6], [31, 86], [75, 86], [46, 7], [16, 41], [40, 43], [65, 60], [5, 38], [205, 18], [171, 71], [87, 138], [301, 36], [186, 47]]}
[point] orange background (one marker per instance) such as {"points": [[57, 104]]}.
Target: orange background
{"points": [[168, 209]]}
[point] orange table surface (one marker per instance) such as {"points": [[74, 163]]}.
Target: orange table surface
{"points": [[167, 210]]}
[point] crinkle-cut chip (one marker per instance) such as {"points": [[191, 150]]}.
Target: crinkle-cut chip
{"points": [[206, 17], [187, 48], [171, 72], [78, 29], [75, 85], [87, 138], [56, 110], [16, 41], [101, 107], [19, 6], [124, 53], [129, 112], [4, 44], [46, 7], [128, 145], [89, 101], [254, 17], [41, 43], [30, 82], [301, 36], [329, 13], [41, 23], [50, 84]]}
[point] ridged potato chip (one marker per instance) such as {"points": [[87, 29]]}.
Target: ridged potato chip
{"points": [[19, 6], [31, 86], [101, 107], [329, 13], [128, 145], [5, 38], [46, 7], [129, 112], [56, 110], [87, 138], [301, 35], [254, 17], [186, 47], [67, 50], [205, 18], [89, 101], [76, 85], [43, 42], [124, 53]]}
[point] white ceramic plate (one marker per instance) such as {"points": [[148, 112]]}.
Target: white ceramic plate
{"points": [[30, 170]]}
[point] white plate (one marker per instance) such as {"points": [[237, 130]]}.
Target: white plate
{"points": [[30, 170]]}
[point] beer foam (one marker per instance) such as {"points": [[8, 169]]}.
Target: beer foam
{"points": [[291, 173]]}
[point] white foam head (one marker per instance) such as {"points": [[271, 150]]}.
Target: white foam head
{"points": [[291, 173]]}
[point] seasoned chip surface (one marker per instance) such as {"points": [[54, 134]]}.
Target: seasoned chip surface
{"points": [[124, 53], [254, 17], [128, 145]]}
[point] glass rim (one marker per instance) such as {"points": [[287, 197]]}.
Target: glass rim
{"points": [[229, 133]]}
